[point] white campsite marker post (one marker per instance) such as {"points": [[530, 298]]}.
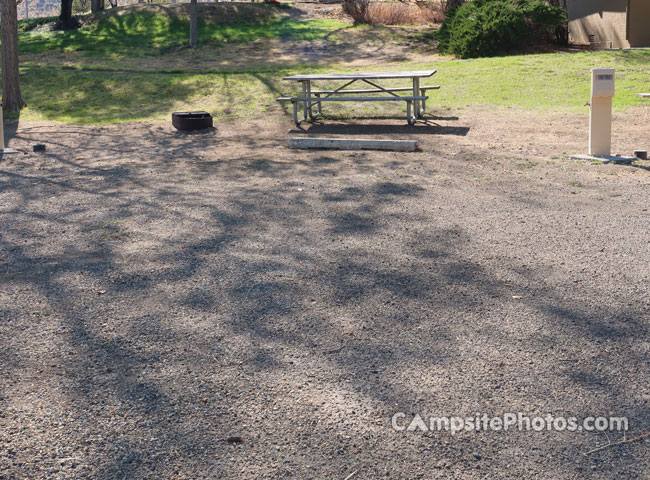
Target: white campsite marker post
{"points": [[600, 120]]}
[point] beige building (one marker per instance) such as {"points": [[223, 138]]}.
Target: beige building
{"points": [[609, 23]]}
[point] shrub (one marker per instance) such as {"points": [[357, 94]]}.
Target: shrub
{"points": [[482, 28]]}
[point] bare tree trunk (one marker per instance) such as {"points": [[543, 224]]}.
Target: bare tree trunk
{"points": [[12, 100], [96, 6], [562, 32], [65, 19], [194, 24], [449, 4]]}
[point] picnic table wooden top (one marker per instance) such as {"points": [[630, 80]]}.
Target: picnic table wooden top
{"points": [[360, 76]]}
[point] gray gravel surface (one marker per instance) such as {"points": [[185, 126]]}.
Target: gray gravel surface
{"points": [[215, 305]]}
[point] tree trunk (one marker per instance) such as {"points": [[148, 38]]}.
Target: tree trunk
{"points": [[65, 19], [194, 24], [449, 4], [96, 6], [12, 100]]}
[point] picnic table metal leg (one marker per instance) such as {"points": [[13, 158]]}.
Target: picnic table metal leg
{"points": [[295, 113], [424, 103], [416, 92], [310, 105], [305, 103], [409, 118], [319, 105]]}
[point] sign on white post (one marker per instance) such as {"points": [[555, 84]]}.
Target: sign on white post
{"points": [[600, 120]]}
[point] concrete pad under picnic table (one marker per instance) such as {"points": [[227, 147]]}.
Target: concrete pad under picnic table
{"points": [[352, 144]]}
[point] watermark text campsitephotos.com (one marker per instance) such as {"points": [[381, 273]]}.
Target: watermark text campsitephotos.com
{"points": [[401, 422]]}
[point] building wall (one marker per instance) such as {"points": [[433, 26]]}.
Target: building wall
{"points": [[639, 23], [605, 20]]}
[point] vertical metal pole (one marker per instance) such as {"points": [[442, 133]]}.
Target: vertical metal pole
{"points": [[311, 111], [416, 92], [320, 107], [305, 104], [424, 103]]}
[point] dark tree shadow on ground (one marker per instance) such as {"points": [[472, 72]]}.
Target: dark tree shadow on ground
{"points": [[164, 305], [419, 128]]}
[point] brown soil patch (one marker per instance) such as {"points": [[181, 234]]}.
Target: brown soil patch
{"points": [[484, 136]]}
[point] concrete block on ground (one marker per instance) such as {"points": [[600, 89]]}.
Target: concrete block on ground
{"points": [[352, 144], [605, 159]]}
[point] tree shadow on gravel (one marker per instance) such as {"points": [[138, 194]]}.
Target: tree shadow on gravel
{"points": [[166, 303], [390, 129]]}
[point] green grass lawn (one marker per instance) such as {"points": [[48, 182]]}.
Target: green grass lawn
{"points": [[548, 82], [138, 34]]}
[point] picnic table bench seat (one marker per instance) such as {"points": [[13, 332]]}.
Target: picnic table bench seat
{"points": [[377, 90]]}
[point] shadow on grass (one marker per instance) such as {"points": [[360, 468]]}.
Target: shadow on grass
{"points": [[149, 33], [98, 97], [108, 97]]}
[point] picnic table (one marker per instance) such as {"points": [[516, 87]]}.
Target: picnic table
{"points": [[309, 98]]}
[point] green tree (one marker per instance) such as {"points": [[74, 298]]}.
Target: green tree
{"points": [[483, 28]]}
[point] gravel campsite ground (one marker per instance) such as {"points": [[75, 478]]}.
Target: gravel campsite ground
{"points": [[214, 305]]}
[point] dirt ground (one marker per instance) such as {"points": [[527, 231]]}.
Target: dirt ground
{"points": [[214, 305]]}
